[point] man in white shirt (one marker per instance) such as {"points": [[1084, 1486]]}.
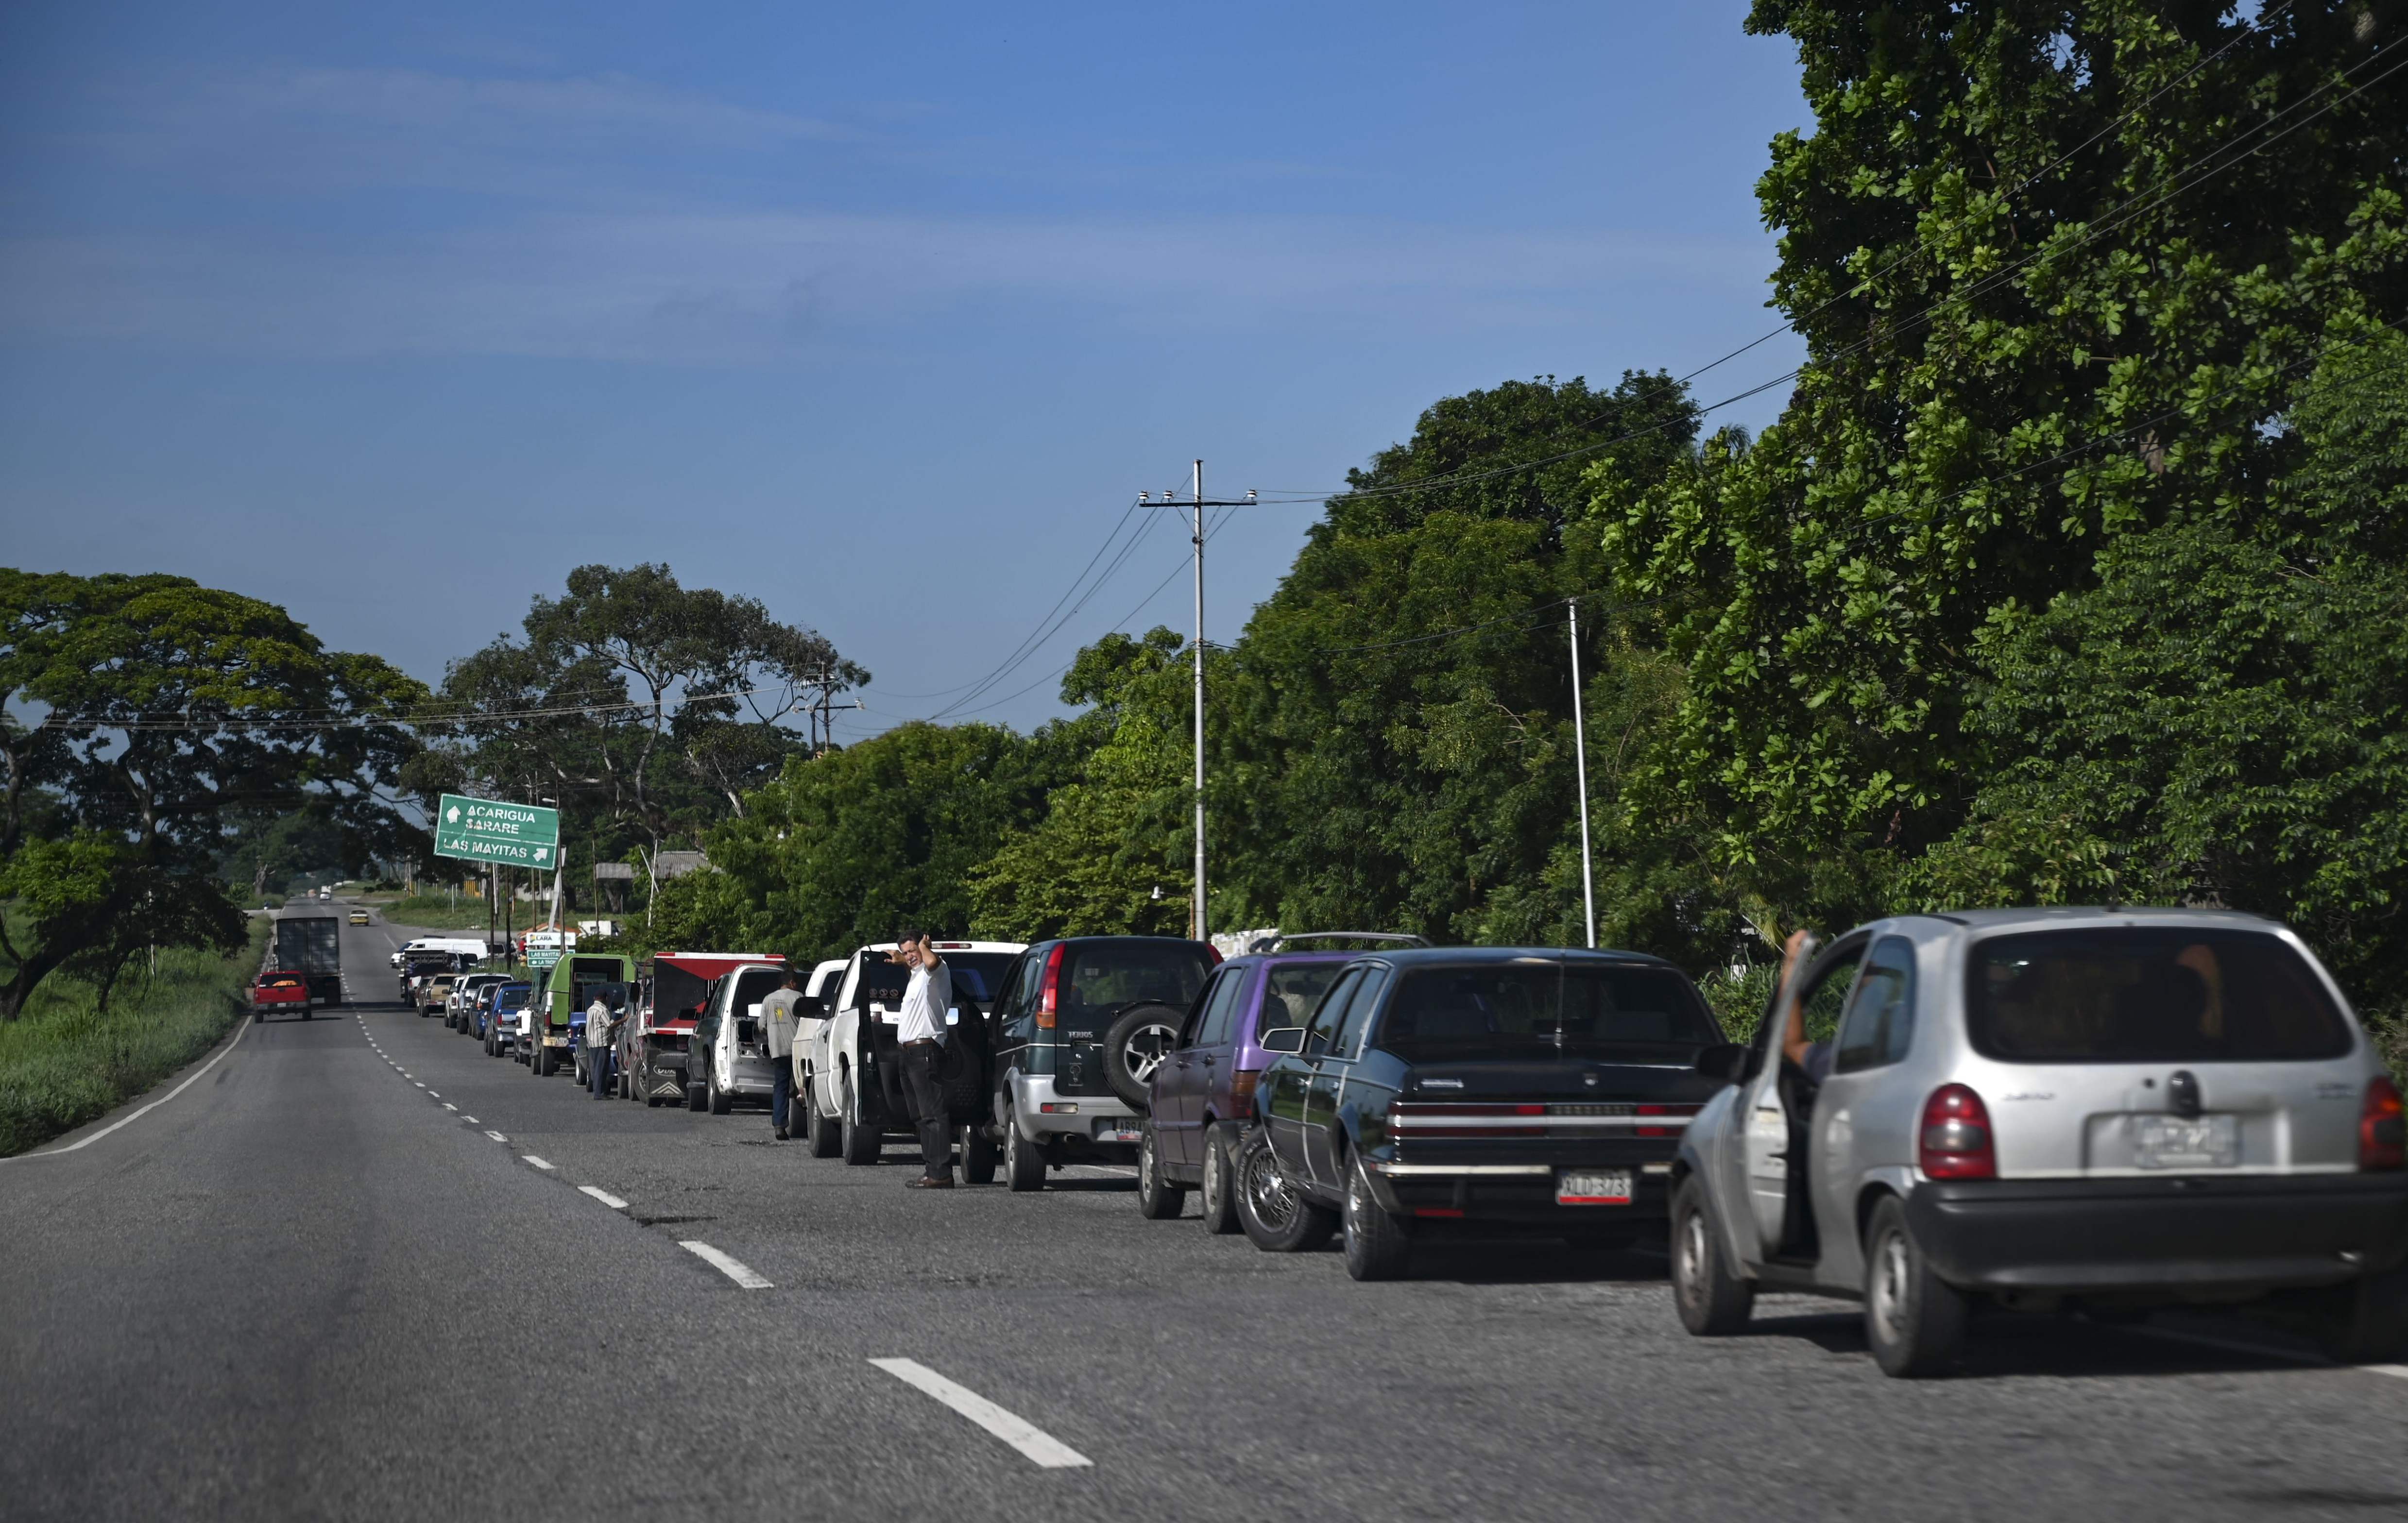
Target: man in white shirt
{"points": [[778, 1015], [922, 1035]]}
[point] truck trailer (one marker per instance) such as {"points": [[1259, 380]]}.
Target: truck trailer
{"points": [[312, 947]]}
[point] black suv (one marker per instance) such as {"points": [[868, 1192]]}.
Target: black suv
{"points": [[1080, 1025]]}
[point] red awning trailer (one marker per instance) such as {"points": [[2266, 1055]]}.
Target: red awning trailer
{"points": [[682, 980]]}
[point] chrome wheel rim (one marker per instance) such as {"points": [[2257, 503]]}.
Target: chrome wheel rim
{"points": [[1144, 1048], [1689, 1252], [1887, 1292], [1267, 1189]]}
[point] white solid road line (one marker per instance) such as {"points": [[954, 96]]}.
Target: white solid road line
{"points": [[2236, 1345], [1039, 1445], [536, 1162], [241, 1030], [603, 1196], [733, 1268]]}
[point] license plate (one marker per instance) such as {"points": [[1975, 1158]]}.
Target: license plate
{"points": [[1592, 1187], [1117, 1131], [2173, 1141]]}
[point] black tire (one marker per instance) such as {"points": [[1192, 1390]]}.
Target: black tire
{"points": [[857, 1143], [305, 1013], [1134, 1045], [695, 1096], [1218, 1198], [257, 1015], [1276, 1216], [823, 1133], [978, 1156], [1379, 1243], [721, 1101], [2370, 1323], [1158, 1198], [548, 1064], [1023, 1166], [1914, 1320], [1713, 1302]]}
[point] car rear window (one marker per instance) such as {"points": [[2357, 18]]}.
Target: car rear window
{"points": [[974, 976], [2155, 994], [512, 998], [1294, 991], [1522, 1009], [1100, 977]]}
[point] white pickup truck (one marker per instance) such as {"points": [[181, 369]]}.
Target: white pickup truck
{"points": [[853, 1092]]}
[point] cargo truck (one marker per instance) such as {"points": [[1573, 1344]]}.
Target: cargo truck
{"points": [[312, 947]]}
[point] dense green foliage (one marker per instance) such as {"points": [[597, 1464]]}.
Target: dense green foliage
{"points": [[2059, 268], [69, 1058], [648, 709], [169, 713]]}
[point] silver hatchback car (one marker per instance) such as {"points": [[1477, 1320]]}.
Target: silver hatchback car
{"points": [[2108, 1110]]}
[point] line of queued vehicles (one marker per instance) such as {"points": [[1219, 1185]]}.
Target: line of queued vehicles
{"points": [[2098, 1111]]}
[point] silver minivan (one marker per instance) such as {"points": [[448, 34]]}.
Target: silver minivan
{"points": [[2107, 1110]]}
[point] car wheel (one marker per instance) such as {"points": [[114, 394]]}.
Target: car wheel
{"points": [[258, 1015], [858, 1142], [1276, 1216], [1379, 1243], [1023, 1166], [1713, 1302], [1914, 1319], [2371, 1323], [1134, 1046], [1218, 1200], [721, 1101], [305, 1014], [978, 1156], [826, 1136], [547, 1062], [1158, 1199]]}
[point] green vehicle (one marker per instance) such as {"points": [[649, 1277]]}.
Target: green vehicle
{"points": [[557, 1006]]}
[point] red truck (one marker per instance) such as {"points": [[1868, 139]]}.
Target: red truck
{"points": [[280, 989]]}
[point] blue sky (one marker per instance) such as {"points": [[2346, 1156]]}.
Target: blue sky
{"points": [[880, 313]]}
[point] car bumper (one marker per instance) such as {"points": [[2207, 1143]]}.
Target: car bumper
{"points": [[1517, 1193], [1074, 1116], [2173, 1235]]}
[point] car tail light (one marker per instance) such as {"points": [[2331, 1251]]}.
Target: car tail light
{"points": [[1955, 1139], [1216, 953], [2382, 1134], [1241, 1090], [1049, 993]]}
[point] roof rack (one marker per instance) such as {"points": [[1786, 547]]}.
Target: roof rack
{"points": [[1283, 944]]}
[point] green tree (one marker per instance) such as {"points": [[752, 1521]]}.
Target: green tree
{"points": [[164, 708], [1394, 729], [2224, 715], [1110, 855], [2058, 270], [853, 846]]}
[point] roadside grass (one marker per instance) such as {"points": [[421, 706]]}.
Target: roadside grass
{"points": [[62, 1062], [432, 911]]}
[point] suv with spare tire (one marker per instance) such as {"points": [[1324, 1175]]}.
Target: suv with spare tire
{"points": [[1080, 1024]]}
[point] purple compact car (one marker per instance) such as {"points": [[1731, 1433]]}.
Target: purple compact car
{"points": [[1204, 1087]]}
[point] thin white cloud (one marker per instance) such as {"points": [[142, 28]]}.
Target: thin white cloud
{"points": [[748, 287]]}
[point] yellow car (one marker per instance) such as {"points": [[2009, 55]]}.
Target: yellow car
{"points": [[359, 917]]}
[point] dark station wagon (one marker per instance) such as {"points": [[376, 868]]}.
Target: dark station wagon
{"points": [[1533, 1092]]}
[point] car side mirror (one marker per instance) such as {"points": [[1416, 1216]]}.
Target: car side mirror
{"points": [[1286, 1039], [1722, 1060]]}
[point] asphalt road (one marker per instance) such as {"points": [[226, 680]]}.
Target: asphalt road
{"points": [[307, 1286]]}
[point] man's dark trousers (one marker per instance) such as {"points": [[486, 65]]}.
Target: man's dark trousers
{"points": [[782, 1091], [926, 1098], [598, 1071]]}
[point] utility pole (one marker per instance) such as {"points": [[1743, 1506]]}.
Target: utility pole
{"points": [[1199, 927], [1580, 760]]}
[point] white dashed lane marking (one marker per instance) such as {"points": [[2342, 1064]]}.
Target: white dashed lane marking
{"points": [[496, 1137], [1039, 1447], [603, 1196], [747, 1277], [536, 1162]]}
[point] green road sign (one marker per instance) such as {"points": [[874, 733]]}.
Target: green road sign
{"points": [[540, 958], [491, 831]]}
